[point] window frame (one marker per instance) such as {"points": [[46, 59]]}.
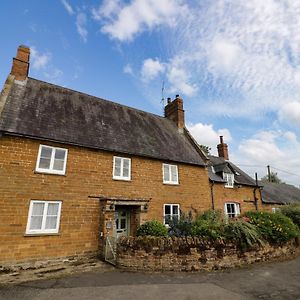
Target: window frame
{"points": [[275, 209], [44, 217], [237, 209], [51, 170], [229, 183], [170, 177], [121, 177], [171, 210]]}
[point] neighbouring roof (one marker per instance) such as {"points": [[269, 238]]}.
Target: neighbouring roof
{"points": [[280, 193], [218, 165], [49, 112]]}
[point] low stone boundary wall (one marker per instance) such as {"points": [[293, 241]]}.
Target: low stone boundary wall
{"points": [[193, 254]]}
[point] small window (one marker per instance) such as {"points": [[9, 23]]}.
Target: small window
{"points": [[229, 180], [52, 160], [171, 212], [232, 210], [43, 217], [275, 209], [170, 174], [122, 168]]}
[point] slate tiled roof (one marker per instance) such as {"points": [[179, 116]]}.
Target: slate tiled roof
{"points": [[274, 193], [218, 165], [50, 112]]}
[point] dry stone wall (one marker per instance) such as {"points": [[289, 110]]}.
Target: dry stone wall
{"points": [[193, 254]]}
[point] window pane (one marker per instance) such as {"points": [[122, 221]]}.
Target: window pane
{"points": [[36, 222], [60, 154], [126, 167], [46, 152], [174, 173], [52, 209], [58, 165], [117, 171], [117, 224], [44, 163], [126, 163], [123, 223], [51, 222], [167, 209], [126, 173], [175, 210], [167, 219], [38, 209], [166, 173]]}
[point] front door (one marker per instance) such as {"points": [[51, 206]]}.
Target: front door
{"points": [[122, 222]]}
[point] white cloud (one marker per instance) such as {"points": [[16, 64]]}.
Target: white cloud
{"points": [[68, 7], [107, 9], [224, 55], [151, 68], [124, 22], [290, 113], [128, 69], [39, 60], [205, 134], [81, 21], [53, 74], [179, 81], [279, 149], [258, 148]]}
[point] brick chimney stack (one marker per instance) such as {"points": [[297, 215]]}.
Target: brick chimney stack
{"points": [[223, 149], [174, 111], [20, 67]]}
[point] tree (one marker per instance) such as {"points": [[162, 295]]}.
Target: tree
{"points": [[273, 178], [205, 149]]}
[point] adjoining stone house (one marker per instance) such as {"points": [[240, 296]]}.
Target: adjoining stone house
{"points": [[75, 169], [275, 195], [232, 190]]}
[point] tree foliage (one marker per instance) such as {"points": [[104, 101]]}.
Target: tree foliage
{"points": [[205, 149], [273, 178]]}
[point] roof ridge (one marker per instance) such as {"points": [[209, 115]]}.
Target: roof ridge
{"points": [[98, 98]]}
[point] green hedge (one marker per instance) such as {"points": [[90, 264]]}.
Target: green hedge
{"points": [[293, 212], [248, 231]]}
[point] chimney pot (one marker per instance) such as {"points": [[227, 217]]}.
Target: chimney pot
{"points": [[177, 96], [20, 66], [223, 149], [169, 100]]}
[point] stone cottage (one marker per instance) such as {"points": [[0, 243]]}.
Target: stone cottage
{"points": [[75, 169]]}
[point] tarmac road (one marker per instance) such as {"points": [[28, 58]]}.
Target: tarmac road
{"points": [[279, 280]]}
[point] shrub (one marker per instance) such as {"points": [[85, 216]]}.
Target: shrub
{"points": [[244, 234], [209, 226], [181, 227], [212, 216], [293, 212], [274, 227], [153, 228]]}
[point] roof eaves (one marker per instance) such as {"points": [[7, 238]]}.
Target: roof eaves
{"points": [[98, 148]]}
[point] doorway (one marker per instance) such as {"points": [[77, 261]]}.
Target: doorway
{"points": [[122, 221]]}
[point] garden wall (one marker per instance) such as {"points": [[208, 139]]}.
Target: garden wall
{"points": [[193, 254]]}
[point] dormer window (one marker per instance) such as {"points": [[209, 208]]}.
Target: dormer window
{"points": [[229, 180]]}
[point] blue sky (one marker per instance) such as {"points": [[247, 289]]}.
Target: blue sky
{"points": [[235, 63]]}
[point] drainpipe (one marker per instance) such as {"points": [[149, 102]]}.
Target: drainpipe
{"points": [[255, 189], [212, 195]]}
